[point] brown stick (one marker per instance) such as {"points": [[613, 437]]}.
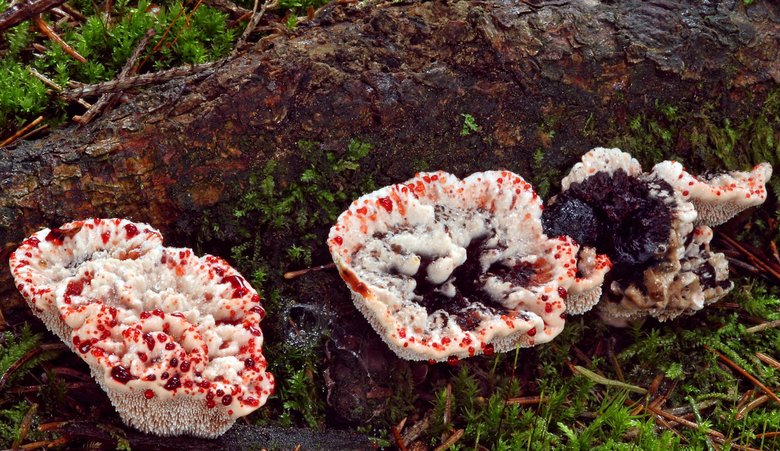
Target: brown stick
{"points": [[683, 421], [747, 375], [763, 326], [751, 405], [136, 81], [756, 261], [768, 360], [295, 274], [257, 16], [24, 10], [26, 357], [107, 100], [396, 430], [46, 29], [526, 401], [21, 132], [450, 441]]}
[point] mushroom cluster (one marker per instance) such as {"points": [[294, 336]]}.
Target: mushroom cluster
{"points": [[445, 268], [174, 339], [655, 229]]}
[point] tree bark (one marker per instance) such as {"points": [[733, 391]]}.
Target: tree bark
{"points": [[399, 76]]}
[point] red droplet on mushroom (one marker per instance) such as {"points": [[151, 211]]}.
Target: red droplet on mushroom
{"points": [[226, 400], [185, 366], [562, 292], [148, 394], [174, 362], [452, 360], [173, 383], [149, 339], [131, 230], [121, 374], [386, 203], [170, 346]]}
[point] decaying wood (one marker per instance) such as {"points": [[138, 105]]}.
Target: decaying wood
{"points": [[399, 76]]}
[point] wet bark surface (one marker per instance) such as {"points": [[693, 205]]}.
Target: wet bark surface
{"points": [[398, 76]]}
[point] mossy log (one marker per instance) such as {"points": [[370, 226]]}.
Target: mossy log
{"points": [[553, 76]]}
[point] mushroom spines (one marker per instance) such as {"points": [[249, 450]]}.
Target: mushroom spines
{"points": [[154, 323], [454, 267]]}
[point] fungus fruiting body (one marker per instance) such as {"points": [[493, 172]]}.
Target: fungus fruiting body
{"points": [[445, 268], [174, 339], [717, 197], [654, 229]]}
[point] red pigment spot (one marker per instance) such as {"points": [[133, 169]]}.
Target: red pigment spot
{"points": [[252, 401], [562, 292], [259, 310], [173, 383], [249, 363], [158, 312], [56, 236], [185, 366], [685, 193], [220, 392], [452, 360], [148, 394], [149, 340], [210, 403], [121, 374], [32, 241], [488, 349], [431, 362], [563, 315], [531, 332], [402, 333], [165, 375], [226, 400], [162, 337], [338, 240], [174, 362], [548, 308], [131, 230], [170, 346], [74, 288], [206, 384], [105, 236], [151, 377], [84, 348], [386, 203], [238, 285], [142, 356], [145, 315], [188, 384], [254, 331]]}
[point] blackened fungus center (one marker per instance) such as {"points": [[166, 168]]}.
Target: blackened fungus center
{"points": [[470, 302]]}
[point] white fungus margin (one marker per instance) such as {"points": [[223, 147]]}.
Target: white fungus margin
{"points": [[172, 338], [445, 268]]}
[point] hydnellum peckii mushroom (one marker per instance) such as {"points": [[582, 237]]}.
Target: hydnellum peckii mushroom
{"points": [[174, 339], [445, 268], [647, 224]]}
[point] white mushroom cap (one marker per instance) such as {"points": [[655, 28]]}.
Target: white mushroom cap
{"points": [[585, 293], [601, 159], [719, 197], [411, 252], [174, 339]]}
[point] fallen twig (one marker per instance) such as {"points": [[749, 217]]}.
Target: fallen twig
{"points": [[758, 262], [24, 426], [26, 357], [396, 430], [137, 81], [526, 401], [107, 100], [295, 274], [21, 132], [450, 441], [229, 7], [254, 21], [747, 375], [46, 29], [683, 421], [24, 10], [763, 326], [768, 360], [751, 405]]}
